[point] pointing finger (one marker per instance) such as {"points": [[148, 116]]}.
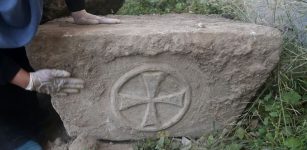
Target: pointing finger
{"points": [[59, 73], [70, 91]]}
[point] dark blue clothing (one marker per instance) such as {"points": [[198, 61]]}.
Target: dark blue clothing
{"points": [[20, 116], [19, 20], [75, 5]]}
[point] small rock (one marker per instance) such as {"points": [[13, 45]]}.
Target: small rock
{"points": [[201, 25], [56, 145], [58, 142], [254, 123], [187, 144], [84, 142]]}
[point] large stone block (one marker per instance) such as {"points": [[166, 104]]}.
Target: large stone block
{"points": [[183, 74]]}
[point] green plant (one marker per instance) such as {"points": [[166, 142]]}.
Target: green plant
{"points": [[277, 119], [163, 142], [137, 7]]}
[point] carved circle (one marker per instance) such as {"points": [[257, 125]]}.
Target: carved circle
{"points": [[126, 95]]}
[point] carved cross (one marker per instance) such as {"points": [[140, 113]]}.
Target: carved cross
{"points": [[152, 82]]}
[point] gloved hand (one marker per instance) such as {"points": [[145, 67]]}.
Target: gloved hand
{"points": [[84, 18], [52, 81]]}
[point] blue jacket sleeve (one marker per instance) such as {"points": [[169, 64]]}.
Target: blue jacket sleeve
{"points": [[8, 69], [75, 5]]}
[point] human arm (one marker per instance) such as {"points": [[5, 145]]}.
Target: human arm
{"points": [[53, 81], [8, 70], [48, 81], [21, 78], [81, 17]]}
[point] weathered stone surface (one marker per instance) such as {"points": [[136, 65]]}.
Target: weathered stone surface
{"points": [[57, 8], [289, 15], [184, 74]]}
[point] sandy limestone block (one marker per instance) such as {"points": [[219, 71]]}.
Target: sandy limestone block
{"points": [[157, 73]]}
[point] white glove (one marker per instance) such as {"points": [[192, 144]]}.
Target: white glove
{"points": [[83, 18], [52, 81]]}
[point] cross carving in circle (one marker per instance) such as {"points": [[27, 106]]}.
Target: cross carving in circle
{"points": [[152, 82]]}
